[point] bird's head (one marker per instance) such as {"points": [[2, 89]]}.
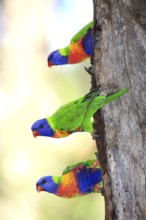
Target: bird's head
{"points": [[46, 184], [42, 128], [55, 58]]}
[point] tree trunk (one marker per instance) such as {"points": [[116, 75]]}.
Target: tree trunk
{"points": [[118, 61]]}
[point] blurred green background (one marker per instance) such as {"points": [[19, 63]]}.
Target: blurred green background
{"points": [[29, 90]]}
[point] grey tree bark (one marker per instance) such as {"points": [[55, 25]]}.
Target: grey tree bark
{"points": [[118, 61]]}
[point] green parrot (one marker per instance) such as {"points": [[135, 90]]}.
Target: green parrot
{"points": [[77, 180], [74, 116]]}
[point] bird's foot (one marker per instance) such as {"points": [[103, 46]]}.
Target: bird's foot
{"points": [[98, 189], [101, 190], [89, 70], [95, 135], [97, 156]]}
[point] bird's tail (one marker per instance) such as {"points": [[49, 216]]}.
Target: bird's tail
{"points": [[91, 96], [114, 96]]}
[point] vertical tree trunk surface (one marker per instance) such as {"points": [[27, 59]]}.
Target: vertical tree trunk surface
{"points": [[118, 61]]}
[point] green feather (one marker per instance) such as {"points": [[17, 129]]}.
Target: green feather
{"points": [[79, 112], [56, 179], [82, 32], [86, 164], [64, 51]]}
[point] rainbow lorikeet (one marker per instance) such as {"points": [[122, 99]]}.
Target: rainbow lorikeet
{"points": [[79, 49], [77, 180], [74, 116]]}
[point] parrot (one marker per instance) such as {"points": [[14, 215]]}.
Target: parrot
{"points": [[74, 116], [79, 49], [76, 180]]}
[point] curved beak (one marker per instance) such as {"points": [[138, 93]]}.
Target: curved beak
{"points": [[35, 133], [39, 188], [50, 64]]}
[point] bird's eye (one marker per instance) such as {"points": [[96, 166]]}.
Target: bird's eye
{"points": [[43, 181], [41, 126]]}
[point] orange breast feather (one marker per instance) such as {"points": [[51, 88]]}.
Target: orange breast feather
{"points": [[68, 186], [60, 134], [76, 53]]}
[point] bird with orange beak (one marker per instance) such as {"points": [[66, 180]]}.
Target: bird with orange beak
{"points": [[77, 180]]}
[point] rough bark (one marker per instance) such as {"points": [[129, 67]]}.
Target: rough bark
{"points": [[119, 60]]}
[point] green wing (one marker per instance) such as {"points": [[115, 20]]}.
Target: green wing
{"points": [[96, 104], [79, 112], [82, 32], [69, 117], [87, 164]]}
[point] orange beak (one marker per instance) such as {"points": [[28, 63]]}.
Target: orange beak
{"points": [[39, 188], [50, 64], [35, 133]]}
